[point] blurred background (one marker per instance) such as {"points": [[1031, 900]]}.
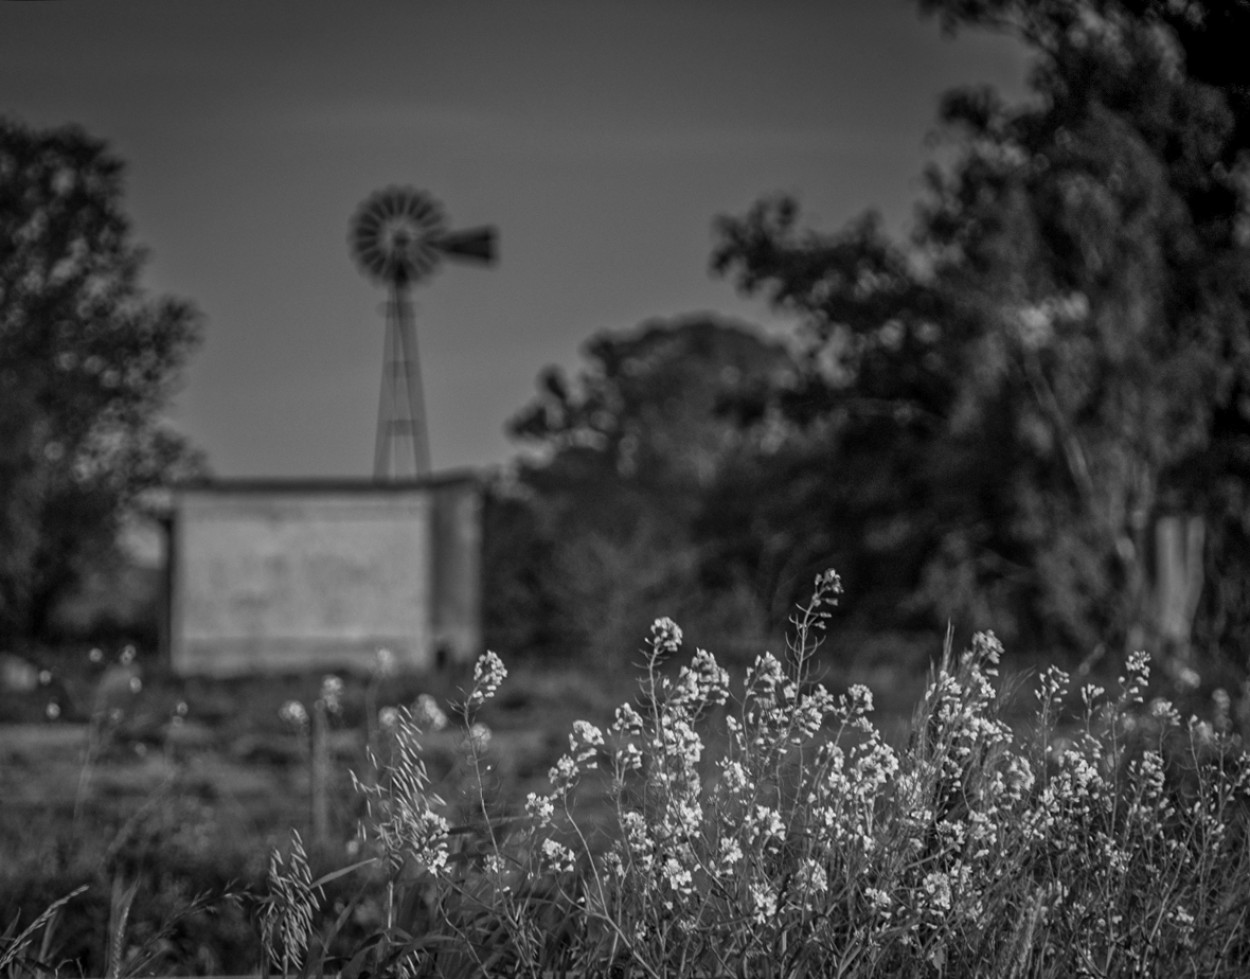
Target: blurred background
{"points": [[948, 296]]}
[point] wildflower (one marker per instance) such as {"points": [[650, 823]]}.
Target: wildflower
{"points": [[383, 663], [427, 714], [809, 713], [96, 655], [294, 714], [629, 757], [540, 808], [626, 721], [563, 774], [1090, 693], [127, 655], [765, 825], [682, 819], [477, 738], [704, 683], [135, 684], [45, 677], [938, 887], [411, 829], [665, 635], [860, 698], [388, 717], [810, 877], [828, 586], [332, 693], [733, 776], [584, 741], [986, 648], [1223, 710], [488, 673], [52, 711], [678, 877], [495, 865], [1188, 679], [679, 742], [764, 902], [1163, 710], [1053, 684], [557, 858], [766, 673]]}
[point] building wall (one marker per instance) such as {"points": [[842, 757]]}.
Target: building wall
{"points": [[299, 576]]}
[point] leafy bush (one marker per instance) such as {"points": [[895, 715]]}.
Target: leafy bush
{"points": [[775, 832]]}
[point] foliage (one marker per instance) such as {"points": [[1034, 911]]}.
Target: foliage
{"points": [[1061, 355], [602, 521], [796, 841], [87, 365]]}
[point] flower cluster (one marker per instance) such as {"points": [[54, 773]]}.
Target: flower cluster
{"points": [[770, 828]]}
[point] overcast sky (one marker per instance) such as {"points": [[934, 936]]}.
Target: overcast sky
{"points": [[601, 138]]}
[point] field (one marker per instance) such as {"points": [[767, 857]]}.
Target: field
{"points": [[157, 802], [186, 785]]}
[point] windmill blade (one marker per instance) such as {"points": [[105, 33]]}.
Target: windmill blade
{"points": [[474, 245]]}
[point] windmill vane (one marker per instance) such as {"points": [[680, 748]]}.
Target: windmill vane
{"points": [[398, 237]]}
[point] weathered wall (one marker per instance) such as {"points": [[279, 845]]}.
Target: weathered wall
{"points": [[273, 576]]}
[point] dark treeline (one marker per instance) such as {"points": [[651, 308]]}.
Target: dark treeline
{"points": [[1032, 416]]}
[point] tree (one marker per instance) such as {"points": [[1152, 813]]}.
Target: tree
{"points": [[628, 453], [1062, 353], [87, 364]]}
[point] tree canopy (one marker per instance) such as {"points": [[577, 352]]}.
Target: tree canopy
{"points": [[88, 363], [1061, 353], [627, 454]]}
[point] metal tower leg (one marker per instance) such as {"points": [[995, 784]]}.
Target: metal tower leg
{"points": [[401, 404]]}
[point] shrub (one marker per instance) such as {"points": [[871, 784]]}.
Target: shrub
{"points": [[763, 830], [775, 833]]}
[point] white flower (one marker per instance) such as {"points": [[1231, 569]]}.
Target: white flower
{"points": [[665, 635], [627, 721], [938, 887], [563, 774], [811, 877], [488, 673], [881, 901], [427, 715], [384, 663], [629, 757], [764, 899], [557, 858], [293, 713], [540, 807], [678, 877], [766, 673], [861, 699], [477, 738], [332, 693], [585, 741]]}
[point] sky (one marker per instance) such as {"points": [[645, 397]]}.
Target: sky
{"points": [[601, 138]]}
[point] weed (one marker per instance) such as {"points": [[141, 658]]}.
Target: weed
{"points": [[773, 832]]}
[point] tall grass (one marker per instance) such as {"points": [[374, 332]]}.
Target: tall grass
{"points": [[767, 829]]}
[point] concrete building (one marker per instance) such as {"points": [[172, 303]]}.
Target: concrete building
{"points": [[270, 576]]}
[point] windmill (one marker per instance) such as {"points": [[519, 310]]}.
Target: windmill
{"points": [[398, 237]]}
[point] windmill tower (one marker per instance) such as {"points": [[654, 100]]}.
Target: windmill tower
{"points": [[398, 236]]}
